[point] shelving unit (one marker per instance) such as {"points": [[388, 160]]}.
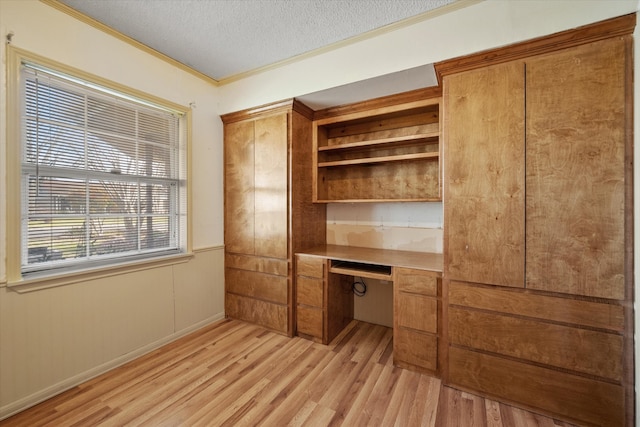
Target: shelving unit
{"points": [[390, 153]]}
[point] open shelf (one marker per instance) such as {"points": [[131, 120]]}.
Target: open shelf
{"points": [[379, 159], [386, 154], [396, 141]]}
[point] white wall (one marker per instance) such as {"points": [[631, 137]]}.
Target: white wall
{"points": [[52, 339]]}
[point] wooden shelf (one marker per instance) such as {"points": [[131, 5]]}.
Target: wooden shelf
{"points": [[396, 141], [385, 154], [379, 159], [388, 200]]}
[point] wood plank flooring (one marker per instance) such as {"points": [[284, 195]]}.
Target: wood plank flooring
{"points": [[236, 374]]}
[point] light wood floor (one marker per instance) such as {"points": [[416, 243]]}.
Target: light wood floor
{"points": [[235, 374]]}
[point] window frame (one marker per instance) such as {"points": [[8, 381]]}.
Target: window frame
{"points": [[86, 270]]}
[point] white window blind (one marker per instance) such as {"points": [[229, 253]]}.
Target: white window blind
{"points": [[102, 175]]}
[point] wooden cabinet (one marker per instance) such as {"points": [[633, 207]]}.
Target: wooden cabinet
{"points": [[390, 153], [576, 147], [416, 299], [562, 356], [484, 186], [537, 272], [574, 141], [256, 186], [324, 301], [324, 293], [268, 210], [310, 286]]}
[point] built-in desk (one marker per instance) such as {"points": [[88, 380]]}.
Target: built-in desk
{"points": [[324, 299], [394, 258]]}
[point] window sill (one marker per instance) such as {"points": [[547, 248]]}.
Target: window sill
{"points": [[69, 278]]}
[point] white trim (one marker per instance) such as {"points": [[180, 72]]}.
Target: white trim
{"points": [[69, 278]]}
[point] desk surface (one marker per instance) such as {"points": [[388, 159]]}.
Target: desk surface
{"points": [[409, 259]]}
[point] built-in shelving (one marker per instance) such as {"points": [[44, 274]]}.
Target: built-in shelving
{"points": [[390, 153]]}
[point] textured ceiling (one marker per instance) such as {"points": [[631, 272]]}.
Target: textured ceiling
{"points": [[223, 38]]}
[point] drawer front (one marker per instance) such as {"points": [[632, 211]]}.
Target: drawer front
{"points": [[257, 285], [591, 352], [416, 281], [309, 321], [310, 266], [309, 291], [415, 348], [583, 399], [275, 266], [269, 315], [417, 312], [564, 310]]}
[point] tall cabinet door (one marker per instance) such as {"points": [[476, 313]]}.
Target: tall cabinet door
{"points": [[484, 166], [576, 170], [271, 185], [257, 271], [239, 219]]}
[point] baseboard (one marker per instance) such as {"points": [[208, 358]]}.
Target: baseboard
{"points": [[47, 393]]}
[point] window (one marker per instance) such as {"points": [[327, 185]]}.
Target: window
{"points": [[102, 174]]}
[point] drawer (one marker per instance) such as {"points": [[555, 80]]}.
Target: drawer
{"points": [[586, 400], [309, 321], [310, 266], [587, 351], [545, 307], [415, 348], [416, 312], [309, 291], [269, 315], [275, 266], [416, 281], [257, 285]]}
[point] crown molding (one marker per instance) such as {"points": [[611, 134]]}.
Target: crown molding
{"points": [[459, 4], [615, 27], [106, 29]]}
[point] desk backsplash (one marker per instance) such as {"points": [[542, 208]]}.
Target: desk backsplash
{"points": [[403, 226]]}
